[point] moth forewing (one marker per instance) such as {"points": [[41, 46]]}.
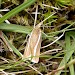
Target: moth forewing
{"points": [[32, 50], [36, 51]]}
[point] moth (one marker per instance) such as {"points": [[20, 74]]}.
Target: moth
{"points": [[32, 49]]}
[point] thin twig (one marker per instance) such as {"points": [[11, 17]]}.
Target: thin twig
{"points": [[4, 10], [35, 70], [20, 72], [51, 7], [53, 41], [4, 73], [2, 37], [49, 51], [4, 59], [36, 12], [62, 67]]}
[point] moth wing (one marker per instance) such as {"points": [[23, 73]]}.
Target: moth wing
{"points": [[36, 46], [33, 46]]}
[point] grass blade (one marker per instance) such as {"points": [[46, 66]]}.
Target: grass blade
{"points": [[71, 68], [68, 53], [17, 9], [12, 47], [15, 28]]}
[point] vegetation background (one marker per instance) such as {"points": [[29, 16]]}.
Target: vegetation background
{"points": [[18, 18]]}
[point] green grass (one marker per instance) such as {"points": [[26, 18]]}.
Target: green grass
{"points": [[70, 50], [14, 36], [19, 8]]}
